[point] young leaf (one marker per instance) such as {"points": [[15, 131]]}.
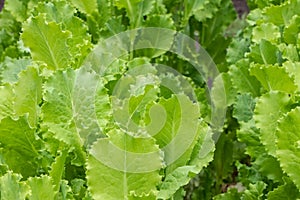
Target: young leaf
{"points": [[269, 109], [123, 167], [69, 109], [242, 80], [288, 145], [12, 188], [38, 35], [6, 101], [20, 144], [28, 95], [41, 188], [268, 77]]}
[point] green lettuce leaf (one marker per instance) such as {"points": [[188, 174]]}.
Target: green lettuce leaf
{"points": [[12, 188], [268, 77], [69, 110], [41, 188], [123, 167], [38, 36], [20, 144], [288, 144], [28, 95], [269, 109]]}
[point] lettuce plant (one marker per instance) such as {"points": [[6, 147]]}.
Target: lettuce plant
{"points": [[153, 99]]}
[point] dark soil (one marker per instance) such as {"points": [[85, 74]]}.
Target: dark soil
{"points": [[1, 4], [241, 7]]}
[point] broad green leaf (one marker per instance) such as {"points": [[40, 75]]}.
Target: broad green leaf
{"points": [[282, 14], [231, 194], [79, 41], [57, 170], [266, 31], [135, 10], [12, 188], [293, 68], [123, 167], [288, 145], [223, 93], [131, 97], [38, 35], [237, 50], [20, 144], [255, 191], [11, 69], [268, 52], [249, 134], [159, 21], [269, 166], [223, 87], [286, 191], [242, 80], [6, 101], [87, 7], [28, 95], [17, 9], [41, 188], [179, 134], [269, 109], [290, 32], [289, 52], [243, 107], [69, 110], [269, 78], [202, 155], [207, 11], [200, 9]]}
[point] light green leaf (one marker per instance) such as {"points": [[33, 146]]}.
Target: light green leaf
{"points": [[159, 21], [269, 109], [41, 188], [179, 134], [249, 134], [255, 191], [202, 155], [135, 10], [123, 167], [290, 33], [17, 9], [11, 69], [28, 95], [266, 31], [223, 83], [288, 145], [38, 35], [57, 170], [200, 9], [6, 101], [289, 52], [282, 14], [79, 41], [287, 191], [12, 188], [269, 166], [237, 50], [231, 194], [21, 144], [243, 107], [69, 110], [87, 7], [269, 78], [293, 68], [268, 52], [242, 80]]}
